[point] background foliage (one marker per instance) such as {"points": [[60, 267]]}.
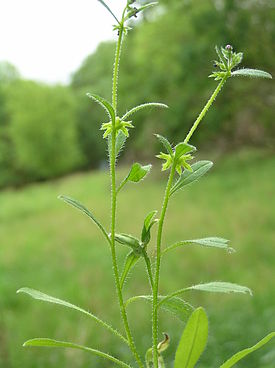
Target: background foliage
{"points": [[167, 58]]}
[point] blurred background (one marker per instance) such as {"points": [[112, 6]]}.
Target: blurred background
{"points": [[50, 144]]}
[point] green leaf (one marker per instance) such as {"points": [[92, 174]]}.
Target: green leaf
{"points": [[76, 204], [212, 287], [109, 10], [200, 168], [120, 141], [134, 11], [141, 107], [212, 242], [253, 73], [150, 5], [221, 287], [130, 241], [146, 230], [50, 299], [183, 148], [243, 353], [44, 342], [138, 172], [105, 104], [130, 261], [220, 55], [193, 340], [166, 144], [176, 306]]}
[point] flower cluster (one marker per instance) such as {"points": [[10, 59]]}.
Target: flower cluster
{"points": [[120, 125], [178, 157], [228, 60]]}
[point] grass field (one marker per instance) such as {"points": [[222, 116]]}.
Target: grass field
{"points": [[46, 245]]}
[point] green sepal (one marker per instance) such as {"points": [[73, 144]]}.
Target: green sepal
{"points": [[119, 126], [193, 340], [149, 221]]}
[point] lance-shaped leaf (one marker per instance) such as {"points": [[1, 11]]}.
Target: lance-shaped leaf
{"points": [[135, 11], [166, 144], [120, 142], [141, 107], [176, 306], [193, 340], [109, 10], [146, 230], [243, 353], [76, 204], [252, 73], [211, 242], [200, 168], [105, 104], [221, 287], [212, 287], [50, 299], [130, 261], [44, 342]]}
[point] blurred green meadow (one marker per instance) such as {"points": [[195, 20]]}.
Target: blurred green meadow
{"points": [[46, 245]]}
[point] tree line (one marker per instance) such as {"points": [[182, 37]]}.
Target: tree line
{"points": [[48, 131]]}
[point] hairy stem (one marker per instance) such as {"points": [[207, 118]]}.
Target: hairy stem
{"points": [[157, 270], [206, 108], [116, 70], [114, 204]]}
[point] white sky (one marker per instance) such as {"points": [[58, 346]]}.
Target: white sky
{"points": [[48, 39]]}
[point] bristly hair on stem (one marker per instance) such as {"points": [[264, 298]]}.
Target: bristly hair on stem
{"points": [[182, 173]]}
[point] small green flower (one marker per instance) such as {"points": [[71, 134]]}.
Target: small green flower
{"points": [[181, 162], [168, 158], [178, 156], [119, 125], [228, 60]]}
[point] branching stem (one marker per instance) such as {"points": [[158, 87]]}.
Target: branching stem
{"points": [[206, 108], [114, 201], [157, 270]]}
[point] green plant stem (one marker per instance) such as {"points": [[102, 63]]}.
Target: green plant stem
{"points": [[116, 69], [206, 108], [149, 269], [157, 270], [114, 205]]}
